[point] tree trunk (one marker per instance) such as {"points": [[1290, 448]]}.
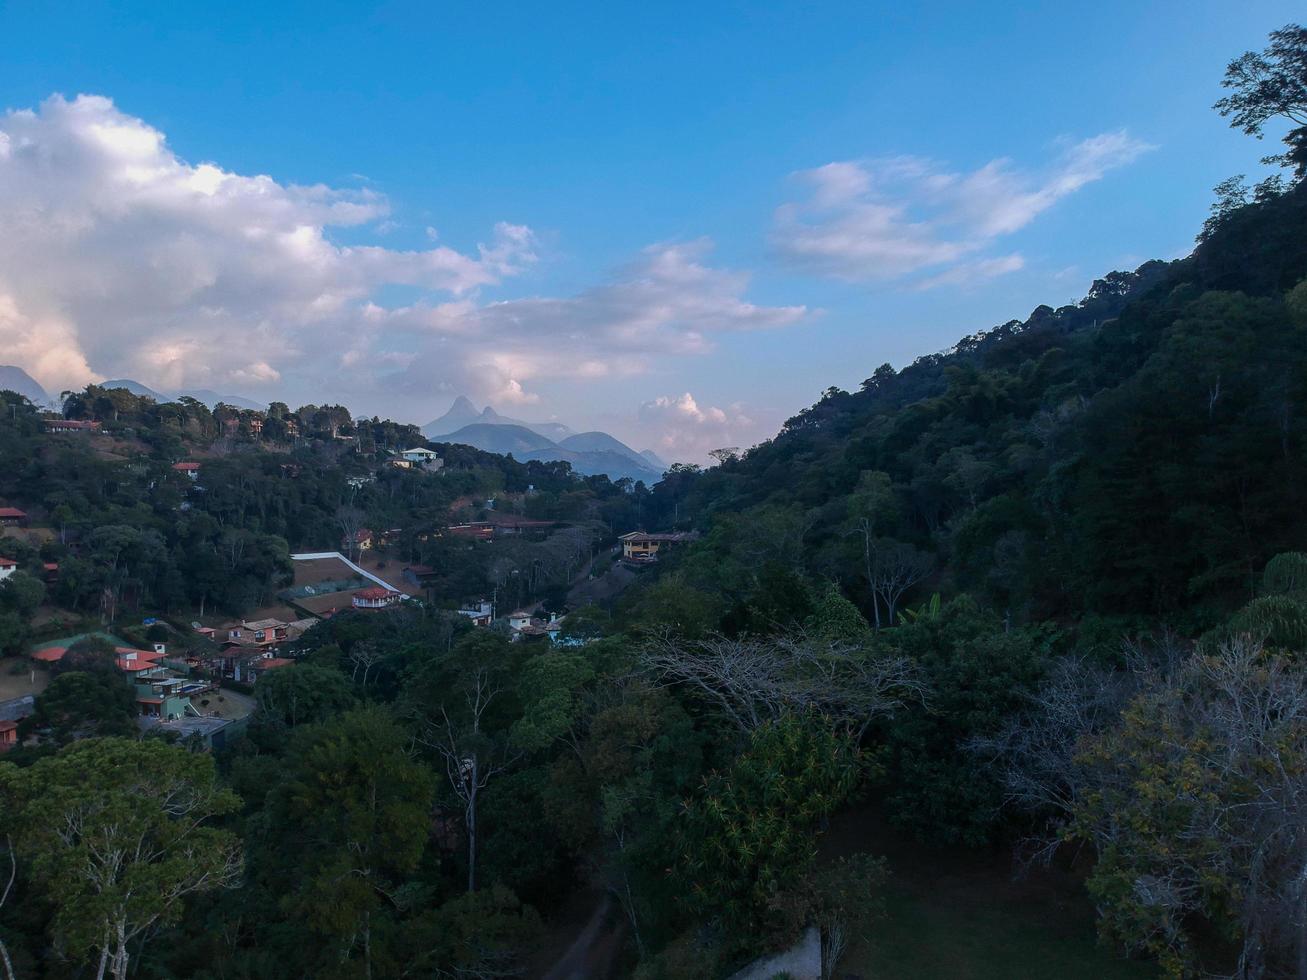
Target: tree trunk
{"points": [[472, 836], [120, 957], [367, 945]]}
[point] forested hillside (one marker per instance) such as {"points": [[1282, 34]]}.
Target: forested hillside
{"points": [[1138, 454]]}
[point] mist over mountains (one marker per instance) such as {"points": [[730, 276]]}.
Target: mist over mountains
{"points": [[589, 453], [14, 378]]}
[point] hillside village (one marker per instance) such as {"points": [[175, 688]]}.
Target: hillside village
{"points": [[193, 670]]}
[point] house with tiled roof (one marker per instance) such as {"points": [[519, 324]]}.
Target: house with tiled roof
{"points": [[377, 598], [7, 567], [12, 517]]}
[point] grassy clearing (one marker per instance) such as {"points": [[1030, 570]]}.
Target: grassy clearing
{"points": [[959, 914], [16, 678]]}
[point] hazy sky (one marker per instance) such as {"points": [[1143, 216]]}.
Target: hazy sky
{"points": [[677, 222]]}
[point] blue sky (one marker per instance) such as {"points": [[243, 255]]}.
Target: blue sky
{"points": [[667, 229]]}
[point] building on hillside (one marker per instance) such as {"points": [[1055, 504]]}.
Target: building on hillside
{"points": [[7, 567], [300, 626], [161, 693], [482, 612], [262, 633], [190, 470], [525, 625], [8, 735], [476, 531], [507, 525], [71, 425], [641, 548], [250, 669], [362, 540], [12, 517], [221, 664], [419, 576], [209, 729], [419, 458], [377, 598]]}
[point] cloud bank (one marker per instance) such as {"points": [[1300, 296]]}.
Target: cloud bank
{"points": [[119, 258], [909, 219]]}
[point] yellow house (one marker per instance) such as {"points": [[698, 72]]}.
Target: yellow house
{"points": [[638, 546]]}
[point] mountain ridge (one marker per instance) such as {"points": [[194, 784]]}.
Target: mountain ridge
{"points": [[591, 452]]}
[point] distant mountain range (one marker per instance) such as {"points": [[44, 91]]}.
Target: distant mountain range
{"points": [[463, 413], [202, 395], [16, 379], [590, 453]]}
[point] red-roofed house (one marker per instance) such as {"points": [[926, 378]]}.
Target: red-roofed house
{"points": [[7, 567], [252, 669], [377, 598], [50, 655], [12, 517], [192, 470], [8, 735]]}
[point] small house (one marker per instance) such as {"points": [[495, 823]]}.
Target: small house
{"points": [[481, 613], [12, 517], [8, 735], [71, 425], [7, 567], [641, 548], [377, 598], [190, 470]]}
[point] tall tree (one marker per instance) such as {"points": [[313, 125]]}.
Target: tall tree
{"points": [[118, 834]]}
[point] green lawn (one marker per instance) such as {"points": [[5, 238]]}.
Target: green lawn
{"points": [[957, 914]]}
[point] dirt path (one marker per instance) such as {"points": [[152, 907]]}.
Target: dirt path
{"points": [[594, 951]]}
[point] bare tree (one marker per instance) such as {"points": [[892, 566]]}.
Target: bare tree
{"points": [[364, 656], [891, 568], [1224, 731], [5, 961], [753, 681], [350, 519], [472, 757]]}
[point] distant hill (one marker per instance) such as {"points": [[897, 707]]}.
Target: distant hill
{"points": [[590, 453], [204, 396], [615, 466], [463, 413], [496, 438], [211, 398], [654, 458], [17, 380], [136, 388], [601, 442]]}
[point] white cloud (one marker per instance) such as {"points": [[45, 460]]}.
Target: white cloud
{"points": [[681, 428], [118, 258], [667, 302], [901, 217]]}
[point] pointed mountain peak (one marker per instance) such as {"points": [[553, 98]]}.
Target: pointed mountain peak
{"points": [[462, 404]]}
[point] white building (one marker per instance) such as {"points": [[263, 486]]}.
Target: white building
{"points": [[7, 567]]}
